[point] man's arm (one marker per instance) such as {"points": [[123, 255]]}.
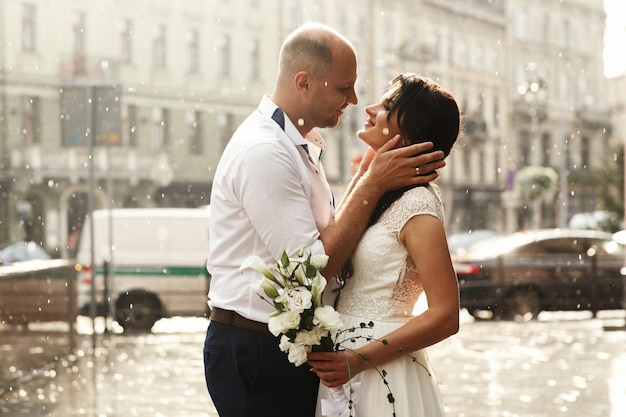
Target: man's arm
{"points": [[391, 168]]}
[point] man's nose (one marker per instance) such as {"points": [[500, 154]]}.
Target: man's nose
{"points": [[352, 98]]}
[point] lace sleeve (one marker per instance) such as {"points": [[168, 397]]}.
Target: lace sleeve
{"points": [[418, 200]]}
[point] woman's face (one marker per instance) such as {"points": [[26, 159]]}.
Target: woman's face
{"points": [[377, 130]]}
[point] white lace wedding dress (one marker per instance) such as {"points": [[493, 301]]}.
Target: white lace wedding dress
{"points": [[384, 290]]}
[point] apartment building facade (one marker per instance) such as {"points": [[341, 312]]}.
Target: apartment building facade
{"points": [[172, 80]]}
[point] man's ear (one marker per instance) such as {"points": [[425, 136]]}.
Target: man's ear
{"points": [[302, 82]]}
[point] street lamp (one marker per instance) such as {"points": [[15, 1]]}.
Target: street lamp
{"points": [[534, 93], [533, 90]]}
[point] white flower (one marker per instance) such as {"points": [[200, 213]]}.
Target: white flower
{"points": [[317, 288], [256, 262], [268, 288], [310, 337], [319, 261], [285, 344], [284, 321], [297, 354], [300, 274], [328, 318], [295, 299], [256, 285], [294, 287]]}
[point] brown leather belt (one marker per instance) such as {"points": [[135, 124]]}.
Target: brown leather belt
{"points": [[231, 318]]}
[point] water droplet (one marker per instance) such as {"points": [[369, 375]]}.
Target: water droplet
{"points": [[385, 131], [300, 122]]}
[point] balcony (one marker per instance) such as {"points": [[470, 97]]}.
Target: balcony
{"points": [[475, 131], [593, 117], [523, 110], [36, 164], [84, 67]]}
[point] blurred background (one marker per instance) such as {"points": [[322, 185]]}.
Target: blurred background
{"points": [[130, 104]]}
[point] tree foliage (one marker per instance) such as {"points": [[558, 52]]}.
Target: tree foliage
{"points": [[612, 189], [536, 183]]}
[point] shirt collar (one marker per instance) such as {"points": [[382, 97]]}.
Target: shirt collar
{"points": [[313, 140]]}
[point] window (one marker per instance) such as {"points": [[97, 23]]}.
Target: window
{"points": [[226, 124], [565, 37], [563, 87], [31, 126], [126, 41], [521, 26], [482, 167], [29, 28], [481, 105], [585, 151], [132, 126], [434, 42], [255, 59], [496, 111], [159, 128], [158, 47], [463, 54], [78, 44], [193, 51], [546, 29], [223, 47], [195, 132], [524, 149], [495, 61], [451, 60], [546, 143], [467, 166], [479, 58]]}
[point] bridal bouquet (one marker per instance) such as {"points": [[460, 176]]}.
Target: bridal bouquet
{"points": [[294, 286]]}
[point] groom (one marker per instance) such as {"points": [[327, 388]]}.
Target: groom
{"points": [[270, 195]]}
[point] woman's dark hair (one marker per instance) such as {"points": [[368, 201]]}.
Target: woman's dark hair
{"points": [[425, 112]]}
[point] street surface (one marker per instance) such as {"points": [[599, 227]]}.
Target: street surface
{"points": [[562, 365]]}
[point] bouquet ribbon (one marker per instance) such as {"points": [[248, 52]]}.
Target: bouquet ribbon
{"points": [[340, 404]]}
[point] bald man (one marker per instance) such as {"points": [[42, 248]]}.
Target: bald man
{"points": [[270, 195]]}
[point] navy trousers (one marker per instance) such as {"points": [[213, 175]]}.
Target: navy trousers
{"points": [[248, 376]]}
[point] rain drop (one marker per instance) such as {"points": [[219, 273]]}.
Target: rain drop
{"points": [[300, 122], [385, 131]]}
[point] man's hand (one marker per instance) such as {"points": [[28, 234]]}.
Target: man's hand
{"points": [[393, 167]]}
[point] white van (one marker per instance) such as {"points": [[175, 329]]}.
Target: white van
{"points": [[155, 261]]}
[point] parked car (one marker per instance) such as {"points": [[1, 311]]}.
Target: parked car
{"points": [[22, 251], [520, 275], [460, 243]]}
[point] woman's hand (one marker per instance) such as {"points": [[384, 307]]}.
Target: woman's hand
{"points": [[335, 368]]}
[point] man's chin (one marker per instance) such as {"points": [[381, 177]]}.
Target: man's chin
{"points": [[332, 122]]}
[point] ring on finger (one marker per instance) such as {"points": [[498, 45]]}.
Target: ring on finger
{"points": [[417, 170]]}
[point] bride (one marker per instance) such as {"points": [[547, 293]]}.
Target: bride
{"points": [[403, 254]]}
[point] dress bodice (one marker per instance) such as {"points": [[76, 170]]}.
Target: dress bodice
{"points": [[383, 287]]}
